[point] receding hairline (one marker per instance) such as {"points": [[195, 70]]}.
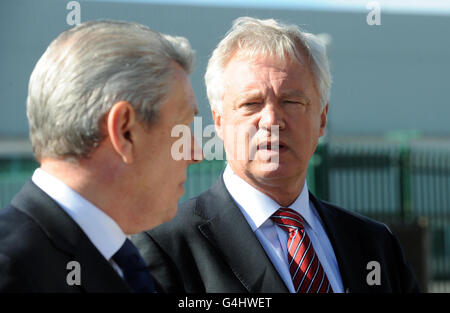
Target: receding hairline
{"points": [[301, 54], [243, 54]]}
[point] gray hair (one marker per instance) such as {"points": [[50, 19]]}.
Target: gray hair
{"points": [[87, 69], [267, 37]]}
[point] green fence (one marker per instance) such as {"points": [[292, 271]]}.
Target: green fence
{"points": [[14, 172], [394, 184], [201, 176], [385, 181]]}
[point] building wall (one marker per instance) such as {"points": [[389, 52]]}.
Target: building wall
{"points": [[387, 77]]}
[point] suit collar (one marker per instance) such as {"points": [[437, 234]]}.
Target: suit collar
{"points": [[345, 244], [258, 207], [224, 225], [99, 227], [97, 275]]}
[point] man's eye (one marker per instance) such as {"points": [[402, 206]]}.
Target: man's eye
{"points": [[295, 102], [250, 104]]}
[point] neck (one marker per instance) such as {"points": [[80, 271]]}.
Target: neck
{"points": [[284, 191], [88, 178]]}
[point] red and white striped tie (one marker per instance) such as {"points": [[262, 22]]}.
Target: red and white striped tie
{"points": [[306, 271]]}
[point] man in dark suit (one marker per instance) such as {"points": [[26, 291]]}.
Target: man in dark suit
{"points": [[102, 102], [258, 229]]}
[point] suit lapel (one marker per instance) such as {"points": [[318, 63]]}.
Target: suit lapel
{"points": [[97, 275], [228, 231], [345, 242]]}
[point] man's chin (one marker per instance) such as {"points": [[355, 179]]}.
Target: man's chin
{"points": [[267, 170], [165, 216], [171, 212]]}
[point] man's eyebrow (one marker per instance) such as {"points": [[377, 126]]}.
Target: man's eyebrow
{"points": [[292, 93], [247, 94]]}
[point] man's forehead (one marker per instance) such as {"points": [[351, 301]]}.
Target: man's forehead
{"points": [[250, 80], [283, 92], [245, 72], [253, 56]]}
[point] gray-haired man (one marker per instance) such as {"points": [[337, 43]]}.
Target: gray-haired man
{"points": [[102, 101], [258, 229]]}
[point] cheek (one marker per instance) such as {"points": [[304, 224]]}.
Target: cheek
{"points": [[237, 137], [305, 132]]}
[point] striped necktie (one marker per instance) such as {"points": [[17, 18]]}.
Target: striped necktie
{"points": [[306, 271]]}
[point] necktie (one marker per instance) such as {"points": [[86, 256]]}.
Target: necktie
{"points": [[304, 265], [135, 272]]}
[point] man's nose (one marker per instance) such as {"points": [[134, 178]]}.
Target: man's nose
{"points": [[271, 115], [196, 151]]}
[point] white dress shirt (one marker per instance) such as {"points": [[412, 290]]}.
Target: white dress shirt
{"points": [[258, 208], [101, 229]]}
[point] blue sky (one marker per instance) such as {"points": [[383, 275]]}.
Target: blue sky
{"points": [[440, 7]]}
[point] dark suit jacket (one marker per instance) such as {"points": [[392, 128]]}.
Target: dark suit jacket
{"points": [[38, 239], [209, 247]]}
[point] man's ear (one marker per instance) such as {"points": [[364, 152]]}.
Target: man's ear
{"points": [[217, 117], [323, 120], [121, 126]]}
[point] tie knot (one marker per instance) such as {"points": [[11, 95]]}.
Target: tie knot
{"points": [[288, 219], [135, 272], [128, 257]]}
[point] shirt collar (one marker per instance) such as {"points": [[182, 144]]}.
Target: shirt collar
{"points": [[99, 227], [258, 207]]}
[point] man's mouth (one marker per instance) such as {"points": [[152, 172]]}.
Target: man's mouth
{"points": [[274, 145]]}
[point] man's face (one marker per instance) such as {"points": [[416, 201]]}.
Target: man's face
{"points": [[159, 180], [262, 92]]}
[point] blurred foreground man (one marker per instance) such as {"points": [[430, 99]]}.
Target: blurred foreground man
{"points": [[258, 229], [102, 102]]}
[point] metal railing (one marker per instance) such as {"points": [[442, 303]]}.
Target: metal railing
{"points": [[395, 184]]}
